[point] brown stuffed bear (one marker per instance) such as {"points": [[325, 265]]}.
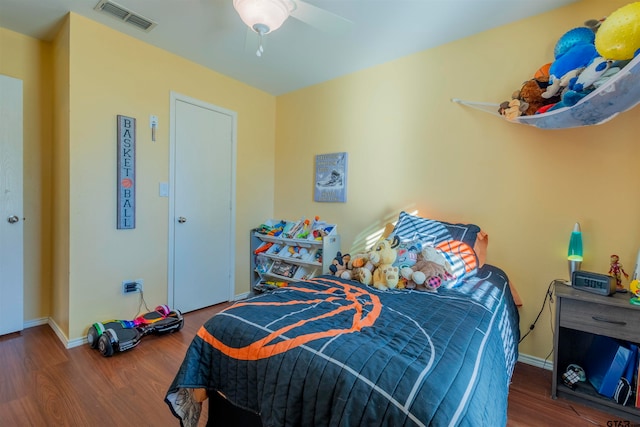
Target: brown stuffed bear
{"points": [[530, 97], [531, 93], [428, 273]]}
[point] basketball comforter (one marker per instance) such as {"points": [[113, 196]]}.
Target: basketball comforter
{"points": [[333, 352]]}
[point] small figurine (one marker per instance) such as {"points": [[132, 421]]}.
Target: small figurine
{"points": [[615, 270]]}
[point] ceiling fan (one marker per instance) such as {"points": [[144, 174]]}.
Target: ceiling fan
{"points": [[264, 16]]}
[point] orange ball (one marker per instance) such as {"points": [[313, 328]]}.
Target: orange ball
{"points": [[542, 71]]}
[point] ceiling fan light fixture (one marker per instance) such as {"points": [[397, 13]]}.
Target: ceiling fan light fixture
{"points": [[264, 16]]}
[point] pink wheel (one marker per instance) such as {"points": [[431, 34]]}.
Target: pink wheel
{"points": [[163, 309]]}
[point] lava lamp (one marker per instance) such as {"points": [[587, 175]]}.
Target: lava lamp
{"points": [[574, 254]]}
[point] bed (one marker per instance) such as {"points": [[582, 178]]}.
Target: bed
{"points": [[334, 352]]}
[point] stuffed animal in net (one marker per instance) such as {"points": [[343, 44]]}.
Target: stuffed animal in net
{"points": [[428, 274], [528, 99], [531, 93], [573, 52], [512, 109]]}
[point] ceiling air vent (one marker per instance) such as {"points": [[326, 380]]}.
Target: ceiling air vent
{"points": [[123, 14]]}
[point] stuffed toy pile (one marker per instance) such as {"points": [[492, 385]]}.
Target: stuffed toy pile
{"points": [[374, 267], [584, 58], [377, 267]]}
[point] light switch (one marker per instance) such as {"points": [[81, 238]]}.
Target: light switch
{"points": [[164, 189], [153, 124]]}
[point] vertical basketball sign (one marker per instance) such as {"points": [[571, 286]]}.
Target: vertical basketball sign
{"points": [[126, 172]]}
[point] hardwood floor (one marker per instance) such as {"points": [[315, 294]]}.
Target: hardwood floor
{"points": [[530, 404], [44, 384]]}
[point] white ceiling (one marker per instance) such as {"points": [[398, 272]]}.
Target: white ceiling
{"points": [[209, 32]]}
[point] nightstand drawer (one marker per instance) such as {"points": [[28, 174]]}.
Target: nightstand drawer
{"points": [[621, 323]]}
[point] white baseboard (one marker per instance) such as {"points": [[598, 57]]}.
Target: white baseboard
{"points": [[56, 329], [536, 361], [239, 297], [35, 322]]}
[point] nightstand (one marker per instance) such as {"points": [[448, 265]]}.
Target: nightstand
{"points": [[580, 315]]}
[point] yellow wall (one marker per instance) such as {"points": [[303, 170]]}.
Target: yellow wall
{"points": [[410, 148], [60, 212], [76, 258], [30, 60], [112, 74]]}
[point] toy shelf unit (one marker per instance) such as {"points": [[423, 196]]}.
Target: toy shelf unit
{"points": [[619, 93], [287, 251]]}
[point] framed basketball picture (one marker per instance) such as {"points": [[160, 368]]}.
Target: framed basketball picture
{"points": [[331, 178]]}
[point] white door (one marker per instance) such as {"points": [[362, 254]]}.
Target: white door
{"points": [[11, 229], [202, 218]]}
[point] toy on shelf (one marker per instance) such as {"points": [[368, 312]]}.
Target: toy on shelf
{"points": [[268, 285], [263, 248], [272, 230], [295, 229], [121, 335], [306, 229], [320, 229], [298, 252], [634, 288], [615, 271]]}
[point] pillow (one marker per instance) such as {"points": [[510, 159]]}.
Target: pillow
{"points": [[461, 256], [407, 251], [411, 227], [458, 242]]}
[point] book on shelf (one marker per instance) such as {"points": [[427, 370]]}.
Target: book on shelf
{"points": [[284, 269]]}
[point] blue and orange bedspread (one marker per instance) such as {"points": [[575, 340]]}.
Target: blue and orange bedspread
{"points": [[333, 352]]}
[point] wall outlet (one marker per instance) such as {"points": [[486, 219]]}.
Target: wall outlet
{"points": [[131, 286]]}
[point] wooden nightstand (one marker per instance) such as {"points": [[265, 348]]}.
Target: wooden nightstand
{"points": [[579, 316]]}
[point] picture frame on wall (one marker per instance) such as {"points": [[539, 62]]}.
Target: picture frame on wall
{"points": [[331, 177]]}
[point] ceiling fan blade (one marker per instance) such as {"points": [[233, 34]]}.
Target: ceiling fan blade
{"points": [[320, 18]]}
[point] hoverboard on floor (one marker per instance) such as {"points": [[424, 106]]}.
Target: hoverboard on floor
{"points": [[121, 335]]}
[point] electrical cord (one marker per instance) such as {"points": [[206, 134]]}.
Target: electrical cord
{"points": [[548, 295], [142, 301]]}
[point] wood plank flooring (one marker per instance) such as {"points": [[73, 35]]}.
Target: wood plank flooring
{"points": [[44, 384]]}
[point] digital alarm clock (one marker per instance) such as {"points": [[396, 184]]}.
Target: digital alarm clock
{"points": [[596, 283]]}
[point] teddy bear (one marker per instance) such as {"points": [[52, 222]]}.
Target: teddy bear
{"points": [[428, 272], [528, 99], [382, 256], [361, 268], [531, 93], [512, 109], [340, 266]]}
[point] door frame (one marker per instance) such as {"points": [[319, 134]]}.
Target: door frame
{"points": [[175, 97]]}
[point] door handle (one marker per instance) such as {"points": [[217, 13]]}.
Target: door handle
{"points": [[13, 219], [182, 219]]}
